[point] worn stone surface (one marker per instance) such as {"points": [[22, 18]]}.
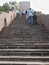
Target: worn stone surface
{"points": [[20, 42]]}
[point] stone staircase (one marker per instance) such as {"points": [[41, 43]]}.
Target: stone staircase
{"points": [[21, 44]]}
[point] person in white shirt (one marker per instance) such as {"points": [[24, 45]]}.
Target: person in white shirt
{"points": [[30, 14], [23, 12]]}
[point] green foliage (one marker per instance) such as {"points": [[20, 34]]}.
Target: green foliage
{"points": [[13, 3], [6, 6], [2, 8]]}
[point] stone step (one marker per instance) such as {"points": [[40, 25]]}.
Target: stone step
{"points": [[21, 44], [25, 38], [24, 47], [15, 32], [21, 40], [24, 53], [20, 29], [22, 37], [24, 50], [21, 62], [29, 43], [42, 57], [25, 58]]}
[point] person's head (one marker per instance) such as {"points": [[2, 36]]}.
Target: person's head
{"points": [[29, 8]]}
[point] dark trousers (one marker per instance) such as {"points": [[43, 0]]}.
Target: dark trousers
{"points": [[30, 20]]}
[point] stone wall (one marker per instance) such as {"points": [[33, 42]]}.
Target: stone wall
{"points": [[6, 18], [1, 24], [25, 5], [43, 19]]}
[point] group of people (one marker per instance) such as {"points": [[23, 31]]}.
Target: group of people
{"points": [[30, 16]]}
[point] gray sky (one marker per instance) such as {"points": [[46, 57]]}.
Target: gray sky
{"points": [[38, 5]]}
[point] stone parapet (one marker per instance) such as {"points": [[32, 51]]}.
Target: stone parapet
{"points": [[6, 18], [43, 20]]}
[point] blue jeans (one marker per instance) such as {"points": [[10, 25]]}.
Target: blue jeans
{"points": [[30, 20]]}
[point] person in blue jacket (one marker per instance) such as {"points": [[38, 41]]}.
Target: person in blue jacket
{"points": [[30, 14]]}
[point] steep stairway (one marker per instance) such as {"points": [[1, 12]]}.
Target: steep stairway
{"points": [[21, 44]]}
